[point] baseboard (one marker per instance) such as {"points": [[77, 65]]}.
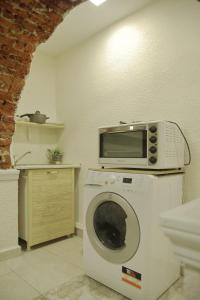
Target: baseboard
{"points": [[10, 253], [79, 229]]}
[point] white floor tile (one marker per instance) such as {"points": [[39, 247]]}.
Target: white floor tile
{"points": [[70, 250], [56, 272], [4, 269], [176, 292], [104, 293], [85, 288], [69, 244], [14, 288], [81, 287], [43, 270]]}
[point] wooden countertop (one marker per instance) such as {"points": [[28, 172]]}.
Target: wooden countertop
{"points": [[46, 166]]}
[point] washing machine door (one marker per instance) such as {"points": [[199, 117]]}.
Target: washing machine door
{"points": [[113, 227]]}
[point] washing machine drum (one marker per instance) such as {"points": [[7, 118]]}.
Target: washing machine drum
{"points": [[112, 227]]}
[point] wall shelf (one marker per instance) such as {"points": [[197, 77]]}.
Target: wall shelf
{"points": [[37, 125]]}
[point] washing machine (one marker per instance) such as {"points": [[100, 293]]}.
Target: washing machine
{"points": [[123, 245]]}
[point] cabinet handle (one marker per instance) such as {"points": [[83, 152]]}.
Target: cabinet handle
{"points": [[52, 172]]}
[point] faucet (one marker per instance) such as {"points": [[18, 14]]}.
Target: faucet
{"points": [[20, 157]]}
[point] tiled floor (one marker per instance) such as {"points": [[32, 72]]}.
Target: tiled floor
{"points": [[55, 272]]}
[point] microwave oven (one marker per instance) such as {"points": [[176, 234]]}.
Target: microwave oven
{"points": [[143, 145]]}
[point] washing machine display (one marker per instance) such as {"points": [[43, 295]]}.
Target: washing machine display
{"points": [[113, 227], [127, 180]]}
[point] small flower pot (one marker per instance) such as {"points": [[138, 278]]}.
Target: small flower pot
{"points": [[57, 159]]}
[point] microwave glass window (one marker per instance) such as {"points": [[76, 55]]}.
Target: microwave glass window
{"points": [[129, 144]]}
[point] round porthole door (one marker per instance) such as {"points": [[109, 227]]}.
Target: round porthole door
{"points": [[113, 227]]}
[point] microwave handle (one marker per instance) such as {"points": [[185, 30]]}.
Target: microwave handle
{"points": [[110, 130], [121, 131], [93, 184]]}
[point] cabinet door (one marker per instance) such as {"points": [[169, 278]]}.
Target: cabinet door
{"points": [[51, 204]]}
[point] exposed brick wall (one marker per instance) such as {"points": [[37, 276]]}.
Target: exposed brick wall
{"points": [[24, 24]]}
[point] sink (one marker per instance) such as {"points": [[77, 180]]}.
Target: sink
{"points": [[182, 227]]}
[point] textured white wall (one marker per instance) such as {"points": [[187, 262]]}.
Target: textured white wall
{"points": [[8, 213], [39, 90], [143, 68], [36, 140], [38, 94]]}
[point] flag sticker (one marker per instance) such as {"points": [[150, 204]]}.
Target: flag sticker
{"points": [[132, 277]]}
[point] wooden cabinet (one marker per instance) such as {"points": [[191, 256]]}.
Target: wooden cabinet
{"points": [[46, 204]]}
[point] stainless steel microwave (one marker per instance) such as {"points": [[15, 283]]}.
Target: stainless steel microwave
{"points": [[145, 145]]}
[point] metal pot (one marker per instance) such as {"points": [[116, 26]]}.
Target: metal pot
{"points": [[37, 117]]}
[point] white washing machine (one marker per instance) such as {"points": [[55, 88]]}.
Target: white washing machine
{"points": [[124, 247]]}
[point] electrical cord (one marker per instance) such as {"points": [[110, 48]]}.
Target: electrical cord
{"points": [[188, 147]]}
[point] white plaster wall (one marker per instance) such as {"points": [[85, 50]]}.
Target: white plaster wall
{"points": [[143, 68], [39, 90], [38, 94], [8, 213], [36, 140]]}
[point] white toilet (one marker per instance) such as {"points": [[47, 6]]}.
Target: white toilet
{"points": [[182, 226]]}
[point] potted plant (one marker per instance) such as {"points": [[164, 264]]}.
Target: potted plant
{"points": [[55, 155]]}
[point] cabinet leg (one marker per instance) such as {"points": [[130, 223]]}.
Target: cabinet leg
{"points": [[28, 247]]}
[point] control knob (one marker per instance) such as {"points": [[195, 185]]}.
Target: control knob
{"points": [[153, 139], [153, 129], [153, 149], [153, 159]]}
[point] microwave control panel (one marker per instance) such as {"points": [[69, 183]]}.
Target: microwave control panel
{"points": [[152, 143]]}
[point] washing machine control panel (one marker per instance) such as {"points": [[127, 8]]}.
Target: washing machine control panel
{"points": [[121, 182], [124, 183], [112, 179]]}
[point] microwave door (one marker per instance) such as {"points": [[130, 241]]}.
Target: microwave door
{"points": [[123, 144]]}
